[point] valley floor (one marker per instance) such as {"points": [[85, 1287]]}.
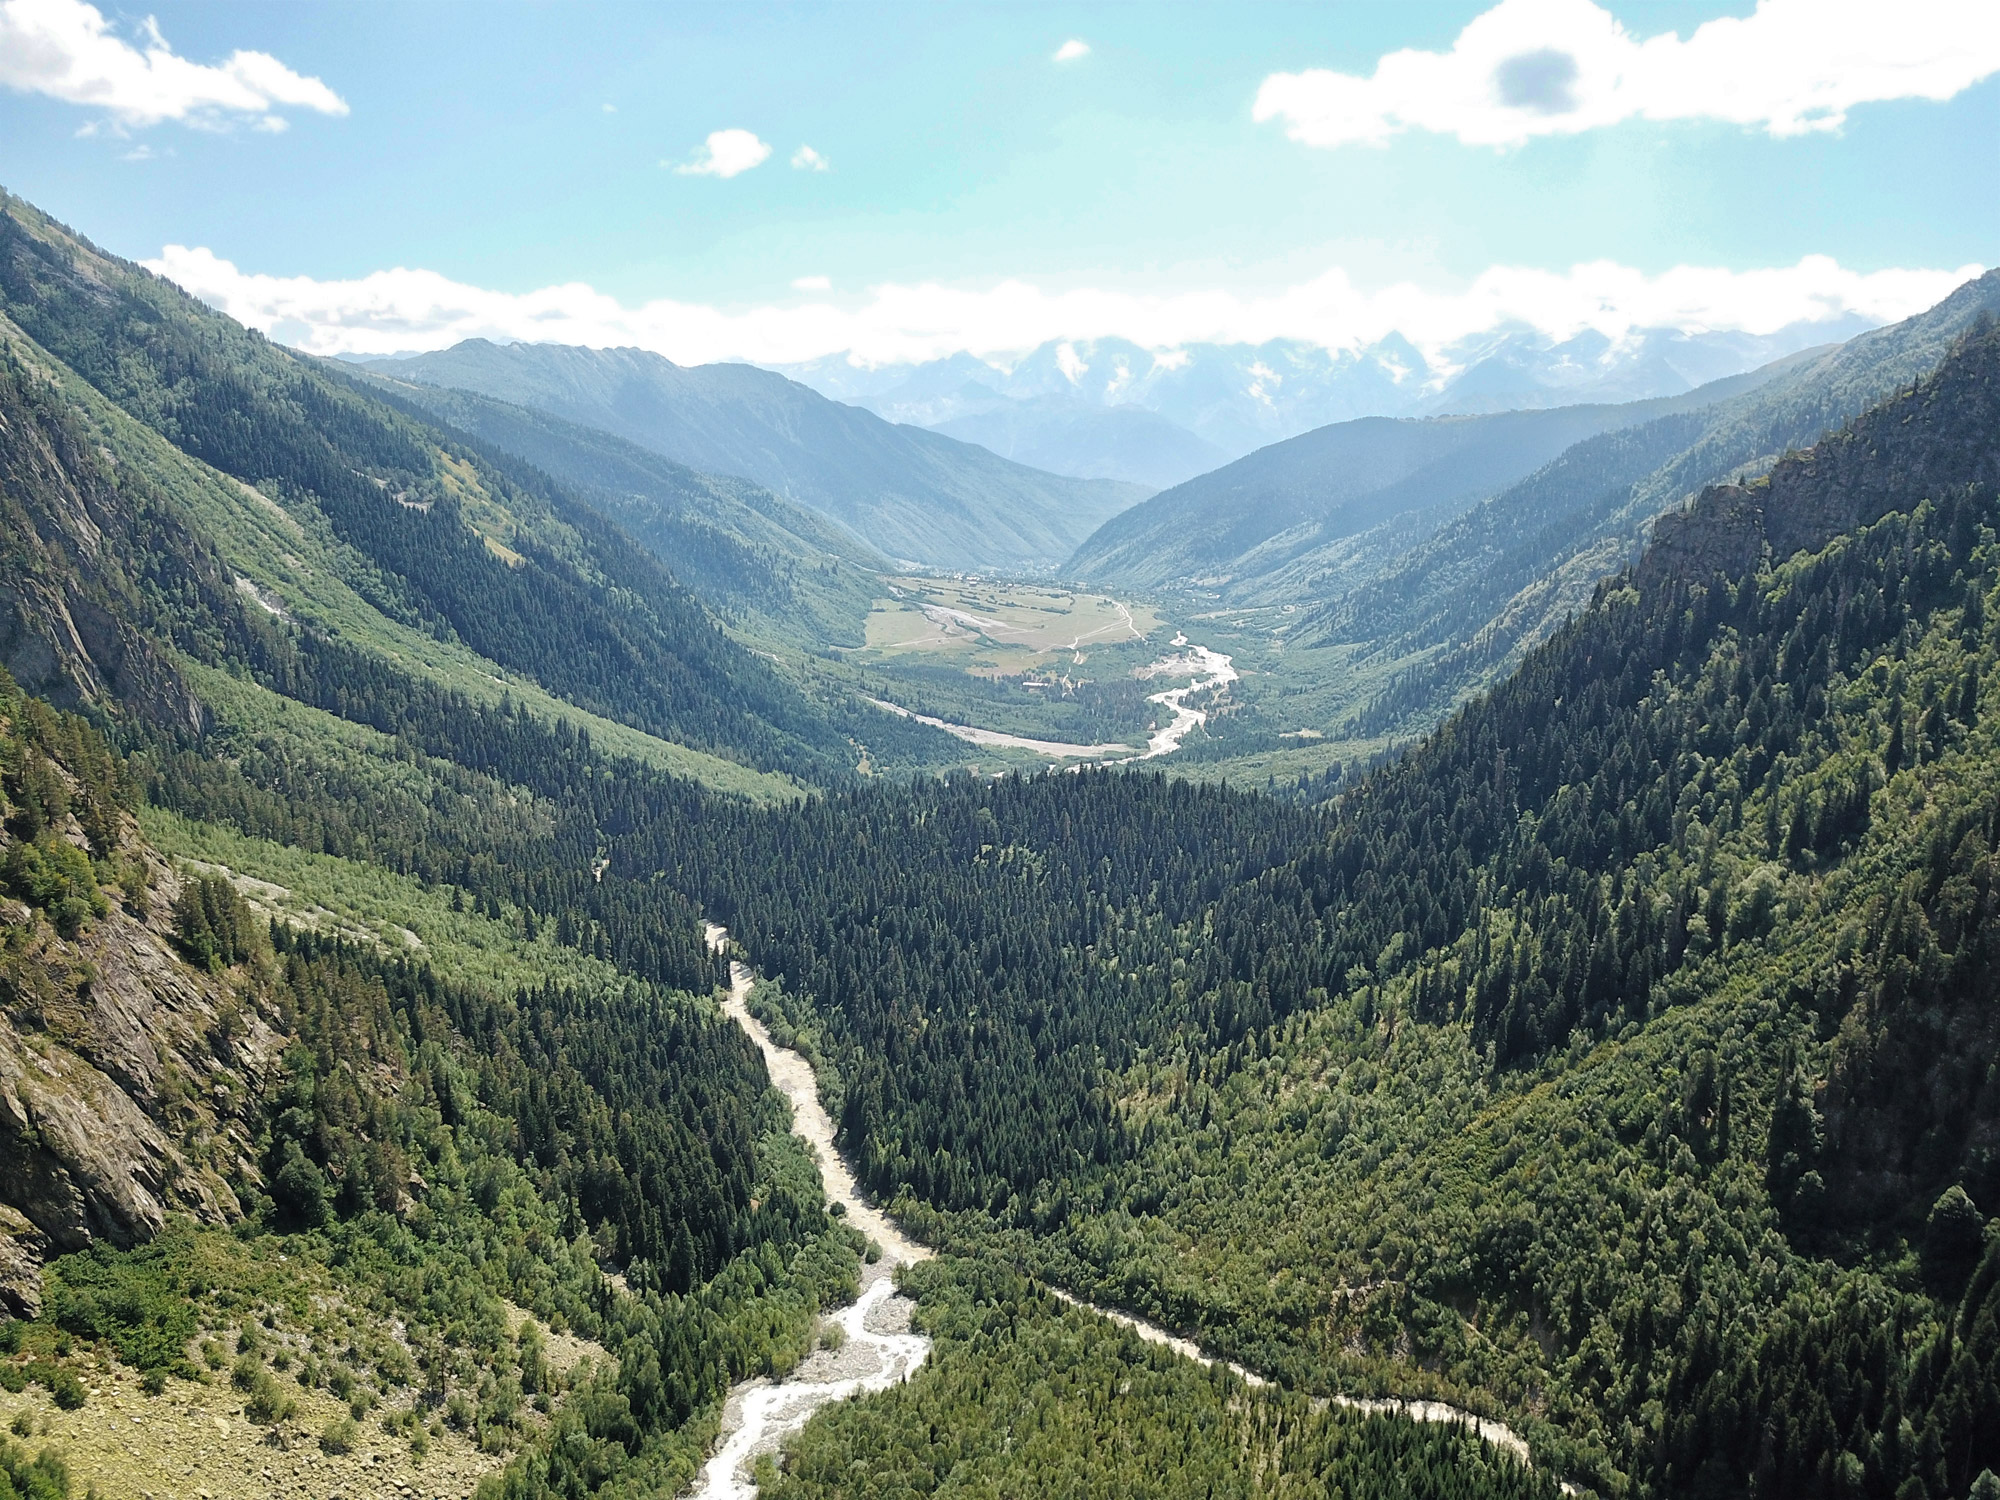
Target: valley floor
{"points": [[761, 1417]]}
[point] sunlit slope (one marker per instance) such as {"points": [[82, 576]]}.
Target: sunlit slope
{"points": [[1253, 529], [764, 564], [906, 492], [1458, 608], [443, 549]]}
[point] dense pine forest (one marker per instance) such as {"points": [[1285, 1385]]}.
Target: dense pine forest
{"points": [[1614, 1062]]}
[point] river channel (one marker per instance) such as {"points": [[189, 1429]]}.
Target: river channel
{"points": [[1210, 669], [877, 1348]]}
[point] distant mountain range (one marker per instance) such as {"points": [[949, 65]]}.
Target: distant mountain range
{"points": [[1280, 523], [1468, 599], [910, 494], [1109, 408]]}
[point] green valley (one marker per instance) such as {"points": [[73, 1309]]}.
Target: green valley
{"points": [[543, 957]]}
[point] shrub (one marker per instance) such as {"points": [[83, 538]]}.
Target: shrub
{"points": [[41, 1478], [127, 1299], [266, 1404], [56, 876], [63, 1385], [338, 1436]]}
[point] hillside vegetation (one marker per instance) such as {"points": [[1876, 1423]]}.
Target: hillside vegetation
{"points": [[1269, 526], [1679, 935], [1368, 638], [908, 493], [367, 1116], [767, 566], [1615, 1061]]}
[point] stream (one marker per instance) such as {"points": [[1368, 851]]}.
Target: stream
{"points": [[879, 1349], [1210, 669]]}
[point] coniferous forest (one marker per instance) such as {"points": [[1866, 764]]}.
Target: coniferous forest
{"points": [[1615, 1062]]}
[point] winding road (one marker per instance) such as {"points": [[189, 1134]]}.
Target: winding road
{"points": [[877, 1348]]}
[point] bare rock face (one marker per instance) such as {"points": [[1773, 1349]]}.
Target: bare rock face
{"points": [[23, 1248], [1722, 533], [127, 1080]]}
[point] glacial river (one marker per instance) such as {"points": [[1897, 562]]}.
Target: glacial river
{"points": [[879, 1349], [1210, 669]]}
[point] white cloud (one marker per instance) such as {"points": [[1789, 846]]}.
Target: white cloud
{"points": [[1527, 68], [725, 154], [67, 50], [809, 160], [813, 284], [414, 309], [1071, 50]]}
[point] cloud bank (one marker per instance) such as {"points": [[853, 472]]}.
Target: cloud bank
{"points": [[67, 50], [395, 310], [1530, 68], [726, 153], [1072, 49]]}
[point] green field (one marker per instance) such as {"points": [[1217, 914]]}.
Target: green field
{"points": [[996, 627]]}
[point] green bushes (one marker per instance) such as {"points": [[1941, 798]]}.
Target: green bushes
{"points": [[56, 876], [1025, 1395], [266, 1404], [61, 1382], [43, 1477], [135, 1300]]}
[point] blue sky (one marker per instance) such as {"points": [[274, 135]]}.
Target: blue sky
{"points": [[515, 148]]}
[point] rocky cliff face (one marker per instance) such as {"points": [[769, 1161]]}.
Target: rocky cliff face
{"points": [[129, 1081], [1932, 439], [73, 545]]}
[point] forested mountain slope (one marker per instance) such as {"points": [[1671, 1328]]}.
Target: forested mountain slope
{"points": [[762, 562], [908, 493], [1249, 529], [1461, 606], [398, 1150], [1618, 1059], [324, 923], [388, 536]]}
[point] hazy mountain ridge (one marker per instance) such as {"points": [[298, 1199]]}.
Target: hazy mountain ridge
{"points": [[1498, 578], [744, 550], [908, 493], [1250, 529], [1058, 400], [396, 534]]}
